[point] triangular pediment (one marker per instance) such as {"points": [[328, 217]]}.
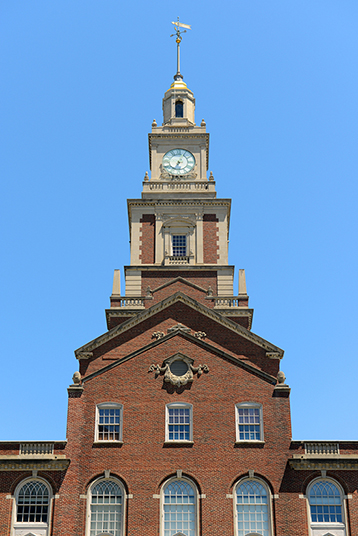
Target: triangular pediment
{"points": [[183, 332], [179, 279], [179, 297]]}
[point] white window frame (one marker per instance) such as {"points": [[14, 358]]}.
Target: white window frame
{"points": [[269, 504], [89, 502], [249, 405], [317, 527], [179, 405], [34, 526], [194, 486], [109, 405]]}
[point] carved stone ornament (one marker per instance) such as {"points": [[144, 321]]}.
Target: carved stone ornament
{"points": [[149, 293], [209, 291], [281, 377], [167, 176], [157, 335], [76, 378], [179, 327], [84, 355], [178, 369], [200, 335]]}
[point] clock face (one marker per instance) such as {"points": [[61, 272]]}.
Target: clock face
{"points": [[178, 162]]}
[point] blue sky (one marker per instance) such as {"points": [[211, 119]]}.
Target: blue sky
{"points": [[276, 83]]}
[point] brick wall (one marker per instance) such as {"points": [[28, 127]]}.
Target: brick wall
{"points": [[147, 239], [210, 238]]}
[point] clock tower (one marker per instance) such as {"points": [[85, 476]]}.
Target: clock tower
{"points": [[179, 229]]}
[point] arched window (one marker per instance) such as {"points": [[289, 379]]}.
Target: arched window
{"points": [[33, 507], [326, 507], [106, 508], [252, 510], [179, 500], [179, 108]]}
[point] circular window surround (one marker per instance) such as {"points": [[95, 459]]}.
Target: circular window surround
{"points": [[179, 369]]}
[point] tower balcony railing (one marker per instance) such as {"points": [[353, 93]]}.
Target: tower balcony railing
{"points": [[230, 302], [177, 259], [132, 302], [179, 186]]}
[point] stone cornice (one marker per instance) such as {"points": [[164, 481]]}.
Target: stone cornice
{"points": [[190, 302], [197, 341], [178, 202], [221, 202], [181, 267], [22, 463], [325, 463]]}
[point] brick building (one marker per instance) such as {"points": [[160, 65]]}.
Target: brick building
{"points": [[179, 417]]}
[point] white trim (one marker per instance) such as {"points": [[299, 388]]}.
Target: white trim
{"points": [[321, 526], [179, 405], [31, 526], [249, 405], [89, 497], [109, 405], [192, 483], [269, 503]]}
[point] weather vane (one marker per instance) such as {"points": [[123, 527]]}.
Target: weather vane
{"points": [[178, 32]]}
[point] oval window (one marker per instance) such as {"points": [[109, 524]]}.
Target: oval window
{"points": [[178, 368]]}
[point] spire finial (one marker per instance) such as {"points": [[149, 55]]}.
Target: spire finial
{"points": [[177, 26]]}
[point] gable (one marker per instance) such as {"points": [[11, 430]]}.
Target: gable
{"points": [[177, 340], [188, 311]]}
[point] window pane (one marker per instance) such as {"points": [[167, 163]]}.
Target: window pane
{"points": [[106, 509], [109, 424], [322, 494], [179, 245], [249, 424], [252, 509], [179, 509], [32, 503], [179, 424]]}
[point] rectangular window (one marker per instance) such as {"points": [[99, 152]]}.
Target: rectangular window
{"points": [[109, 422], [179, 245], [179, 422], [249, 422]]}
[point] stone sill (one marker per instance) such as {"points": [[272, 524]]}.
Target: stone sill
{"points": [[253, 443], [180, 443], [112, 443], [30, 457], [325, 456]]}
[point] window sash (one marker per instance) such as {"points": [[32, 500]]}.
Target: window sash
{"points": [[179, 423], [252, 509], [249, 426], [109, 422], [179, 245]]}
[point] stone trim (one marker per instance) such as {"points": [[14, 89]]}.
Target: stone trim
{"points": [[167, 302], [11, 464], [181, 280], [178, 381], [343, 463]]}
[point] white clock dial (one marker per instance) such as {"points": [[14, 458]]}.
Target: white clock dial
{"points": [[178, 162]]}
